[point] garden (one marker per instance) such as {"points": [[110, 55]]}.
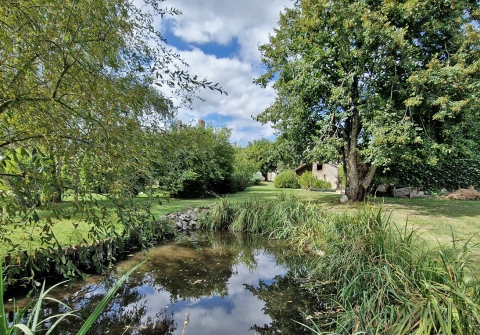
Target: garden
{"points": [[95, 165]]}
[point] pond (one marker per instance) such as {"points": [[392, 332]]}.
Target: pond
{"points": [[222, 283]]}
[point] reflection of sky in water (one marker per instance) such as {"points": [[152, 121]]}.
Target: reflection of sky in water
{"points": [[176, 280], [233, 314]]}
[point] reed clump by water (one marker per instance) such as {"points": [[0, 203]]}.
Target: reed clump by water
{"points": [[385, 278]]}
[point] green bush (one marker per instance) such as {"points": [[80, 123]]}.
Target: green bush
{"points": [[449, 173], [309, 180], [322, 184], [196, 162], [286, 179], [243, 170], [256, 179]]}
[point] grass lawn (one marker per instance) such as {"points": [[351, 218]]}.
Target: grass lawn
{"points": [[434, 218]]}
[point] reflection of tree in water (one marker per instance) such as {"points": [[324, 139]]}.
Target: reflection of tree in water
{"points": [[125, 314], [187, 273], [193, 271], [285, 301]]}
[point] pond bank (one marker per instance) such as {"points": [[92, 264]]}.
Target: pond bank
{"points": [[385, 276], [75, 260]]}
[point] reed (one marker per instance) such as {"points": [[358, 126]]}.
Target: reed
{"points": [[34, 324], [385, 278]]}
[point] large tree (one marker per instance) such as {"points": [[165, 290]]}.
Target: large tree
{"points": [[372, 82], [76, 78], [78, 104]]}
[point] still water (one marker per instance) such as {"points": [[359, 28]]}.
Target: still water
{"points": [[227, 284]]}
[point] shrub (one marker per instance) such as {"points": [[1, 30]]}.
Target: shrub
{"points": [[196, 162], [256, 179], [322, 184], [286, 179], [449, 173], [309, 180], [243, 170]]}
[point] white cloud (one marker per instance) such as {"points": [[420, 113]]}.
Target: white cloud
{"points": [[220, 22]]}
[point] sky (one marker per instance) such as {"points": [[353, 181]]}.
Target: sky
{"points": [[219, 40]]}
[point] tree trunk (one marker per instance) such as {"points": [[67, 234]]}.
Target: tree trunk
{"points": [[358, 178], [57, 188], [357, 190]]}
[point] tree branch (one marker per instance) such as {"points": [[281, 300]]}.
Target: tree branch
{"points": [[368, 178]]}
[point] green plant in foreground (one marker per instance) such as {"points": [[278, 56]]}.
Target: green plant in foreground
{"points": [[33, 323]]}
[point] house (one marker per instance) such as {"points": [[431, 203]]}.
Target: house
{"points": [[325, 171], [271, 175]]}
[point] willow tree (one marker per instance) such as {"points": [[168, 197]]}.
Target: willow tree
{"points": [[372, 82], [77, 101]]}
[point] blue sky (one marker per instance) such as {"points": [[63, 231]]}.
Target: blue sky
{"points": [[219, 40]]}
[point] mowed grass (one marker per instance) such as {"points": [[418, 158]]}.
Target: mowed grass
{"points": [[434, 218]]}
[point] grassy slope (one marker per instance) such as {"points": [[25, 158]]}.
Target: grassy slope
{"points": [[434, 218]]}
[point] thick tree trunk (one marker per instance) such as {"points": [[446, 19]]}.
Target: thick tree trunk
{"points": [[357, 186], [358, 178]]}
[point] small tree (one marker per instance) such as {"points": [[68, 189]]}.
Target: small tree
{"points": [[264, 154], [243, 169], [194, 162]]}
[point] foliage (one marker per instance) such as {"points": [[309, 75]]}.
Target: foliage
{"points": [[450, 174], [382, 277], [34, 308], [371, 83], [195, 162], [244, 170], [263, 153], [256, 179], [286, 179], [309, 180], [78, 110]]}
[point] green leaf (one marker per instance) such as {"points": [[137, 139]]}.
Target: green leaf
{"points": [[109, 296]]}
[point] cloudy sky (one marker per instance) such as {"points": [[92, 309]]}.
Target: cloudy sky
{"points": [[219, 40]]}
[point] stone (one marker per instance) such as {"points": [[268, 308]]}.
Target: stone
{"points": [[178, 224], [382, 188], [343, 199], [403, 192]]}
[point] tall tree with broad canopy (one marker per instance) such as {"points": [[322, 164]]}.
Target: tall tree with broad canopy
{"points": [[374, 82]]}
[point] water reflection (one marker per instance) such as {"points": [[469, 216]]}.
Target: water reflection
{"points": [[226, 283]]}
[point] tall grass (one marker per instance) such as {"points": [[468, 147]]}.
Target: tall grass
{"points": [[35, 324], [386, 280]]}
